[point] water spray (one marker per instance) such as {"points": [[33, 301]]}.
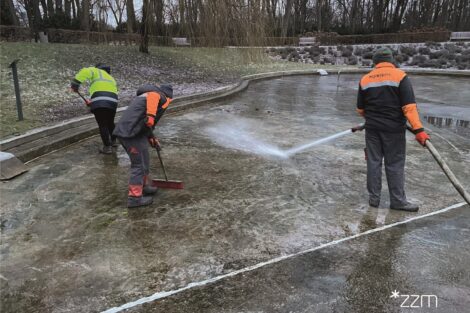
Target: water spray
{"points": [[232, 136]]}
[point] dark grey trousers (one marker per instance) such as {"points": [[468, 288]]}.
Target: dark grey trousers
{"points": [[390, 147], [137, 149]]}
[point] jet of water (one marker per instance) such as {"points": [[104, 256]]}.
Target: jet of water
{"points": [[306, 146], [237, 134]]}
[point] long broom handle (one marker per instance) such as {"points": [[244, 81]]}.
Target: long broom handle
{"points": [[450, 175], [161, 163], [81, 96]]}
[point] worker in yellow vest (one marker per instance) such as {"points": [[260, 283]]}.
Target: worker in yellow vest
{"points": [[104, 100]]}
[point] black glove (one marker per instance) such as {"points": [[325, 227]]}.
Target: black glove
{"points": [[358, 128], [74, 87]]}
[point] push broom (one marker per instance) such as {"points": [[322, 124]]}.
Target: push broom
{"points": [[165, 183]]}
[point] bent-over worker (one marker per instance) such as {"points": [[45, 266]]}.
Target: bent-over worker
{"points": [[135, 132], [104, 100]]}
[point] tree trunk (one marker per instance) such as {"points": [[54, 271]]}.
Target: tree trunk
{"points": [[131, 26], [182, 15], [144, 43], [50, 7], [8, 13], [158, 6], [58, 6], [67, 9], [85, 16]]}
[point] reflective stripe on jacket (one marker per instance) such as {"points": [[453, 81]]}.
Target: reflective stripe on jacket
{"points": [[103, 87], [386, 99]]}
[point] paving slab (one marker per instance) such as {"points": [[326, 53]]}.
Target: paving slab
{"points": [[69, 244]]}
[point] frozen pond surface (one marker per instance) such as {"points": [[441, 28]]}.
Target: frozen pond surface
{"points": [[70, 245]]}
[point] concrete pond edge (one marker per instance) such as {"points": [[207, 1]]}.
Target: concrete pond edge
{"points": [[40, 141]]}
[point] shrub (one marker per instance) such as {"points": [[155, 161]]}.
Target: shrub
{"points": [[295, 54], [316, 50], [438, 54], [462, 59], [346, 53], [366, 62], [410, 51], [418, 59], [359, 51], [368, 55], [401, 58], [424, 50], [442, 61], [430, 63], [450, 47], [352, 60]]}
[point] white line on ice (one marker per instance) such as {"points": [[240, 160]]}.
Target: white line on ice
{"points": [[165, 294]]}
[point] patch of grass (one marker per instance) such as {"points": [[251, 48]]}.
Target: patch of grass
{"points": [[45, 71]]}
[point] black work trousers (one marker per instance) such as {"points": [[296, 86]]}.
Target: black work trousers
{"points": [[105, 119], [390, 147]]}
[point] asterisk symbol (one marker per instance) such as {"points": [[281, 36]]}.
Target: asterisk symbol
{"points": [[395, 294]]}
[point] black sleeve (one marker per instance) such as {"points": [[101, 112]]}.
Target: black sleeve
{"points": [[360, 98], [407, 95], [75, 83]]}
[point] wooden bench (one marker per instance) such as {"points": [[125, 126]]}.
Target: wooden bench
{"points": [[307, 41], [460, 36], [181, 41]]}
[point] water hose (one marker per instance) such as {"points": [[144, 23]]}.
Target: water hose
{"points": [[445, 168]]}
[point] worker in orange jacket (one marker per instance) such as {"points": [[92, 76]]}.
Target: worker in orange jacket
{"points": [[386, 100], [135, 132]]}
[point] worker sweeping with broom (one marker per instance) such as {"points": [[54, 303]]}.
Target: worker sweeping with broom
{"points": [[386, 100], [104, 100], [135, 132]]}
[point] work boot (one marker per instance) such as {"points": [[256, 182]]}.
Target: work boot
{"points": [[374, 203], [114, 142], [149, 190], [408, 206], [134, 202], [106, 150]]}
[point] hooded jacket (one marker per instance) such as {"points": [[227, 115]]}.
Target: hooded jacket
{"points": [[103, 88], [386, 100], [144, 111]]}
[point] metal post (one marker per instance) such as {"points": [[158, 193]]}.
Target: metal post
{"points": [[14, 72]]}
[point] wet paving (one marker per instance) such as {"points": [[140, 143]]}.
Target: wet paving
{"points": [[70, 245]]}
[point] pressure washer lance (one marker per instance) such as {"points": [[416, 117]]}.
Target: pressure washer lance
{"points": [[450, 175], [165, 184]]}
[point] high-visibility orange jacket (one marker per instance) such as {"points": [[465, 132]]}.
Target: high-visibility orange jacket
{"points": [[386, 100], [143, 113]]}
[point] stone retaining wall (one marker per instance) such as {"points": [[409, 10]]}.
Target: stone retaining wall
{"points": [[47, 139], [441, 55]]}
